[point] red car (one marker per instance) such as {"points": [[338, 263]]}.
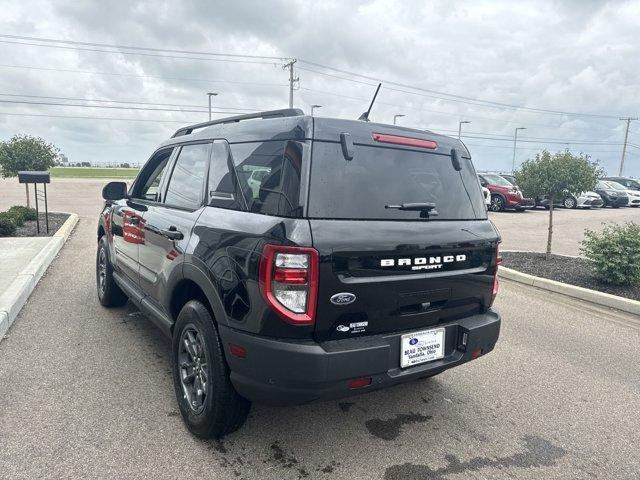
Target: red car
{"points": [[503, 193]]}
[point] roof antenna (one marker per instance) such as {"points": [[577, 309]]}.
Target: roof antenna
{"points": [[365, 116]]}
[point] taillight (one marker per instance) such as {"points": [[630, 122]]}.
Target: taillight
{"points": [[496, 284], [289, 282], [406, 141]]}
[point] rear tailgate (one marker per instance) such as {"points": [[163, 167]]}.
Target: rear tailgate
{"points": [[400, 276], [399, 220]]}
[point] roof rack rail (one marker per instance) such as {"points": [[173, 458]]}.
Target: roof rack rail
{"points": [[285, 112]]}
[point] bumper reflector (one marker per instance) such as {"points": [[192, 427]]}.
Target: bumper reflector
{"points": [[476, 353], [359, 382]]}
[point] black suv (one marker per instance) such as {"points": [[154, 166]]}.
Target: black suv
{"points": [[358, 258]]}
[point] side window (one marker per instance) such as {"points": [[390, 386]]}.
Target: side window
{"points": [[222, 184], [147, 186], [269, 176], [187, 179]]}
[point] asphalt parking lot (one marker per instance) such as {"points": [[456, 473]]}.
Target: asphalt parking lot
{"points": [[87, 392]]}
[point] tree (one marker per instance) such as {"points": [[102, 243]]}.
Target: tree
{"points": [[555, 176], [24, 152]]}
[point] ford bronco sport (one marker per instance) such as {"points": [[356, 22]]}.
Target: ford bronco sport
{"points": [[363, 258]]}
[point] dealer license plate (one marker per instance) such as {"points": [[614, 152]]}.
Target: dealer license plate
{"points": [[421, 347]]}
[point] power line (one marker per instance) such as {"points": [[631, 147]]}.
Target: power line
{"points": [[131, 47], [86, 49], [456, 115], [27, 102], [15, 95], [443, 95], [82, 117], [159, 77]]}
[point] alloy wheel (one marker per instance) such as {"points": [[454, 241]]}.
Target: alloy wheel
{"points": [[194, 369], [497, 204], [569, 202], [102, 271]]}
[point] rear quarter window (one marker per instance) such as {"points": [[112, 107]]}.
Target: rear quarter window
{"points": [[269, 176]]}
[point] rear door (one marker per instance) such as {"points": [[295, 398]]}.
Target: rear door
{"points": [[383, 269], [168, 223]]}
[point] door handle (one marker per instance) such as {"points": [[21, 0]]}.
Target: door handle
{"points": [[172, 233]]}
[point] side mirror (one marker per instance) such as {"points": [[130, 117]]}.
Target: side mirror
{"points": [[114, 191]]}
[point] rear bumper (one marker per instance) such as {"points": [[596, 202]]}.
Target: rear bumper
{"points": [[285, 372]]}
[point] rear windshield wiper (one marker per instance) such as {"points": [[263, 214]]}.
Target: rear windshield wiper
{"points": [[426, 209]]}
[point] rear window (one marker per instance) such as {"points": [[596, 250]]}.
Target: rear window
{"points": [[377, 176]]}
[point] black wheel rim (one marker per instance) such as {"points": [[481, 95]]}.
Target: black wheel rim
{"points": [[193, 368], [496, 204], [102, 271]]}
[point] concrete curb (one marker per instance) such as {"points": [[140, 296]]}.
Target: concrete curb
{"points": [[588, 295], [15, 296]]}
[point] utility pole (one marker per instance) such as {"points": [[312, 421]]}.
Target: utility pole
{"points": [[460, 127], [396, 117], [624, 146], [210, 94], [292, 80], [515, 139]]}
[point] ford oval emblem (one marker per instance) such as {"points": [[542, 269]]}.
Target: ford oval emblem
{"points": [[343, 298], [413, 341]]}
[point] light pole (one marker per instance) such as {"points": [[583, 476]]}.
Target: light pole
{"points": [[395, 117], [210, 94], [460, 127], [314, 107], [515, 139]]}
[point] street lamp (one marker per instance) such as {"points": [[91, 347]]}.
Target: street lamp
{"points": [[313, 107], [210, 94], [515, 139], [460, 127], [395, 117]]}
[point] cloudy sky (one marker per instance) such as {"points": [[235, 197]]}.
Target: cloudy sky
{"points": [[566, 71]]}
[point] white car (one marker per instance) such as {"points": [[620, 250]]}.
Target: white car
{"points": [[634, 195], [487, 196], [584, 200]]}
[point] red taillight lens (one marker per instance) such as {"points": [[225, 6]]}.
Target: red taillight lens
{"points": [[289, 282], [406, 141], [496, 283]]}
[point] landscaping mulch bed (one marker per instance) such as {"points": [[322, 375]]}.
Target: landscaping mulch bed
{"points": [[29, 229], [574, 271]]}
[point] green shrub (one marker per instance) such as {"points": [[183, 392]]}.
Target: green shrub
{"points": [[614, 253], [22, 214], [7, 225]]}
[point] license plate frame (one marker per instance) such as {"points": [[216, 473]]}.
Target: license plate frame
{"points": [[424, 339]]}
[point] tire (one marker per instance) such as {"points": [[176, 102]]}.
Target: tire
{"points": [[109, 293], [209, 404], [570, 202], [497, 203]]}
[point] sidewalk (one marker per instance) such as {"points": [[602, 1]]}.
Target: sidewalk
{"points": [[23, 261]]}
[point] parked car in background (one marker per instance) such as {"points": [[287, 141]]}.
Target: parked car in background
{"points": [[630, 183], [503, 193], [634, 195], [611, 196], [581, 200]]}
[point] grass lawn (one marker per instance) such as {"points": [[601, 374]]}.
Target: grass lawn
{"points": [[93, 172]]}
